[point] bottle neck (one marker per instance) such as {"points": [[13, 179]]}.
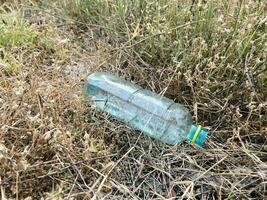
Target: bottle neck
{"points": [[197, 135]]}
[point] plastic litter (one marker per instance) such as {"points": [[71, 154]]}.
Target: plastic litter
{"points": [[154, 115]]}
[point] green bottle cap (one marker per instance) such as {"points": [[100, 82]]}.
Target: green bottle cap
{"points": [[197, 135]]}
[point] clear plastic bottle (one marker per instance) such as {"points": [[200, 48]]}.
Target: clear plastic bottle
{"points": [[154, 115]]}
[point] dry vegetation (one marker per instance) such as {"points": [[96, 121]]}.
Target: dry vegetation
{"points": [[208, 55]]}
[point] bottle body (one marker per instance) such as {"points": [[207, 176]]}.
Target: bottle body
{"points": [[154, 115]]}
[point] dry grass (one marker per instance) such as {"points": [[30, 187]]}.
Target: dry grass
{"points": [[52, 146]]}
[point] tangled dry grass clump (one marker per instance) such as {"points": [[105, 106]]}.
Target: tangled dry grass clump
{"points": [[210, 56]]}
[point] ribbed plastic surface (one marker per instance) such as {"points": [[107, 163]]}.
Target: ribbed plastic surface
{"points": [[154, 115]]}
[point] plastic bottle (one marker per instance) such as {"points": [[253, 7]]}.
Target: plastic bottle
{"points": [[154, 115]]}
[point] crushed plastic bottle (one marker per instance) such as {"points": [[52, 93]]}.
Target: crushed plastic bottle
{"points": [[154, 115]]}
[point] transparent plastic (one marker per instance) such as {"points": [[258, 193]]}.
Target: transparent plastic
{"points": [[154, 115]]}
